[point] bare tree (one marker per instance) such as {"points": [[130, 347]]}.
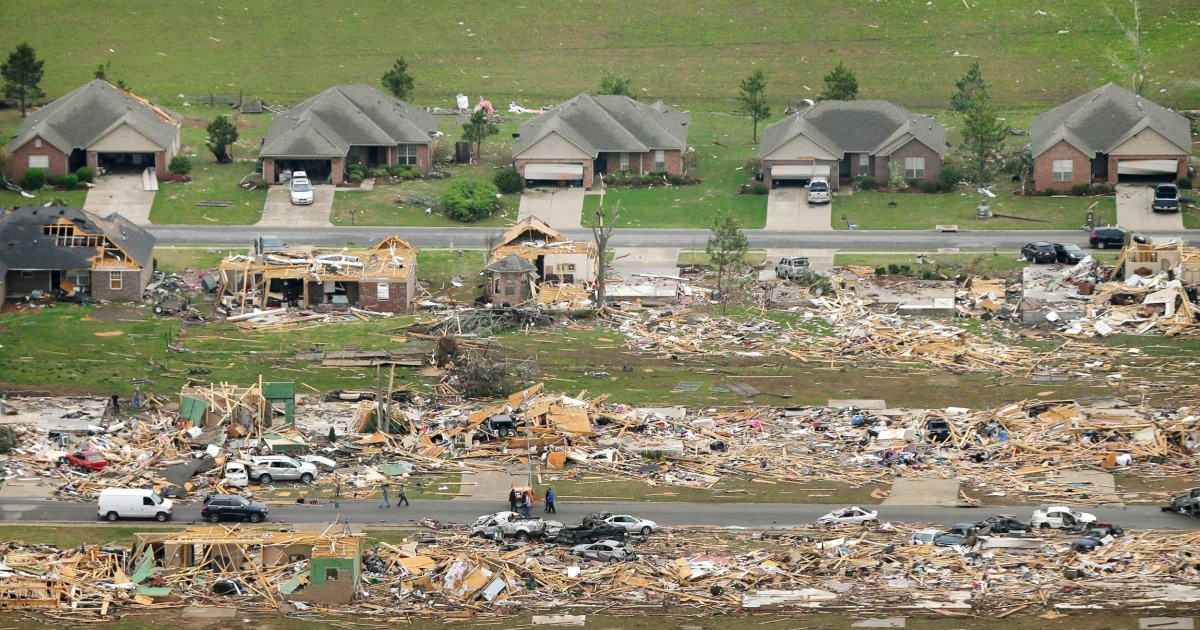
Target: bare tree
{"points": [[603, 223], [1133, 35]]}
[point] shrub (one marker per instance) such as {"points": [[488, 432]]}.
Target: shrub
{"points": [[1080, 190], [1185, 183], [949, 176], [867, 182], [356, 169], [70, 182], [8, 439], [1050, 192], [509, 181], [759, 188], [54, 180], [85, 174], [881, 271], [912, 183], [609, 178], [381, 172], [412, 173], [180, 164], [1102, 189], [651, 179], [676, 180], [469, 200], [355, 177], [34, 179], [930, 187]]}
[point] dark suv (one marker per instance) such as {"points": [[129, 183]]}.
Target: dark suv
{"points": [[1039, 252], [1112, 236], [222, 506]]}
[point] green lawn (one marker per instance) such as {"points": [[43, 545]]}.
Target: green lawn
{"points": [[977, 263], [920, 211]]}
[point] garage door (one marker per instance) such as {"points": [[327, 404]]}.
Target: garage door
{"points": [[799, 171], [1147, 167], [554, 172]]}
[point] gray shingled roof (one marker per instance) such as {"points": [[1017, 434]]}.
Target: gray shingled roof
{"points": [[328, 124], [1102, 119], [24, 246], [609, 124], [511, 263], [84, 116], [854, 127]]}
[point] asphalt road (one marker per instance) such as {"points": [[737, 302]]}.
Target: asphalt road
{"points": [[474, 237], [751, 516]]}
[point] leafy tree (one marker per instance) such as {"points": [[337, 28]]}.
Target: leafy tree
{"points": [[478, 129], [754, 97], [180, 164], [469, 200], [616, 85], [603, 223], [22, 75], [840, 84], [1133, 35], [8, 439], [896, 177], [983, 139], [969, 89], [221, 134], [509, 181], [397, 80], [726, 249]]}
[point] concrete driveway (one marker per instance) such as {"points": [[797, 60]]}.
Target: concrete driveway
{"points": [[1134, 213], [788, 211], [560, 208], [123, 194], [278, 211]]}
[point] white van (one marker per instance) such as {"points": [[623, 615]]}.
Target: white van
{"points": [[118, 503]]}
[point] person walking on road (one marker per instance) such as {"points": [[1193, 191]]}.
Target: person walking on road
{"points": [[527, 505], [385, 503], [403, 498], [512, 500], [550, 501]]}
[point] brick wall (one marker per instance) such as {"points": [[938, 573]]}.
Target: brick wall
{"points": [[397, 302], [269, 170], [20, 159], [933, 162], [425, 158], [129, 291], [1043, 168], [18, 284], [520, 163]]}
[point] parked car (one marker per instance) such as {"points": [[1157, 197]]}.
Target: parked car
{"points": [[604, 551], [1061, 517], [956, 535], [90, 460], [268, 468], [937, 430], [631, 524], [1166, 198], [818, 192], [1096, 537], [1184, 503], [218, 507], [792, 266], [115, 503], [924, 536], [301, 189], [235, 475], [1068, 253], [851, 515], [1004, 524], [1038, 252], [591, 530], [1112, 236]]}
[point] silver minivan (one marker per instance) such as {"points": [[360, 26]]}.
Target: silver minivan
{"points": [[269, 468]]}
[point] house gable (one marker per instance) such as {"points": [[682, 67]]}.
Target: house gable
{"points": [[1147, 141], [553, 146], [125, 139], [801, 147]]}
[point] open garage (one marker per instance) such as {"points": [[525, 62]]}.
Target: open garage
{"points": [[797, 174], [319, 170], [538, 175], [1146, 171]]}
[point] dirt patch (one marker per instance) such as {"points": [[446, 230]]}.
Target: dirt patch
{"points": [[118, 313]]}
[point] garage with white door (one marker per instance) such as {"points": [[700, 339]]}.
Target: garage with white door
{"points": [[797, 174], [537, 175], [1156, 170]]}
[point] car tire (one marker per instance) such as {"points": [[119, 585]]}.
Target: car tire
{"points": [[306, 478], [256, 518], [265, 479], [1099, 244], [1044, 526], [646, 531], [214, 518], [112, 516], [611, 560], [523, 536], [161, 517]]}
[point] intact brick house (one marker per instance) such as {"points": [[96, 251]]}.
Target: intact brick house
{"points": [[842, 140], [589, 136], [56, 248], [97, 125], [1109, 135], [348, 124]]}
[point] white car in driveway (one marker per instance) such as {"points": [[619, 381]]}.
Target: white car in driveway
{"points": [[301, 189], [1061, 517], [818, 192], [849, 516], [633, 524]]}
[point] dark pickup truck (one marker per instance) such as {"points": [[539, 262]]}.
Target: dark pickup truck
{"points": [[592, 530]]}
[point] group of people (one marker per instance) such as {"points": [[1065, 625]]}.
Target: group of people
{"points": [[522, 502], [400, 500]]}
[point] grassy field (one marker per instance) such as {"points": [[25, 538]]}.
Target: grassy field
{"points": [[541, 52], [919, 211]]}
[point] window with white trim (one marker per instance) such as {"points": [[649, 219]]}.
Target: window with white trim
{"points": [[39, 161], [383, 291], [660, 160], [1063, 170], [864, 163], [406, 154], [624, 162], [914, 168], [114, 280], [37, 143], [81, 277]]}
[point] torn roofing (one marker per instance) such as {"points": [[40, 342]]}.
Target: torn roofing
{"points": [[80, 118], [328, 124], [511, 263], [25, 245], [609, 124]]}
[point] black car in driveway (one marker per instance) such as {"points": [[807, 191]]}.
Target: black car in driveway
{"points": [[218, 507], [1039, 252], [1068, 253], [1112, 236]]}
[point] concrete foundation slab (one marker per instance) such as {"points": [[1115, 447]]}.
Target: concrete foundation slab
{"points": [[923, 492]]}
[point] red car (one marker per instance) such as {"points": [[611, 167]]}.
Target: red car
{"points": [[88, 460]]}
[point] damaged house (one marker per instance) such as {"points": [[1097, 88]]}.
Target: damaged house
{"points": [[543, 255], [382, 278], [48, 251]]}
